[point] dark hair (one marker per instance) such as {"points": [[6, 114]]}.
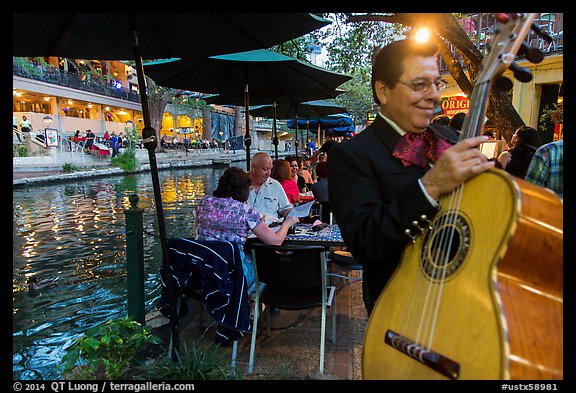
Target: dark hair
{"points": [[458, 120], [443, 120], [527, 136], [281, 170], [322, 169], [234, 183], [388, 62]]}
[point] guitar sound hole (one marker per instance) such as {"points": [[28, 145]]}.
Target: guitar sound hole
{"points": [[445, 246]]}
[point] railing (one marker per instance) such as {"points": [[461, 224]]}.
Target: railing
{"points": [[75, 81], [481, 28]]}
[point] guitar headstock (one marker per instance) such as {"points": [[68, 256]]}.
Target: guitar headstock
{"points": [[507, 41]]}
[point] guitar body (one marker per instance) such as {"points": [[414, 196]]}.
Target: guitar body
{"points": [[499, 313]]}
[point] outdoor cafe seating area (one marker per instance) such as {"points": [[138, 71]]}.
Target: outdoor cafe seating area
{"points": [[309, 269]]}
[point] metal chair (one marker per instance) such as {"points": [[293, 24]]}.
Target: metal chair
{"points": [[295, 279], [346, 260], [210, 272]]}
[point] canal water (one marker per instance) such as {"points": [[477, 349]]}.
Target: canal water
{"points": [[73, 236]]}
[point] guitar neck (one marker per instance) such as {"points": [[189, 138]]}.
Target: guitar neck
{"points": [[474, 122]]}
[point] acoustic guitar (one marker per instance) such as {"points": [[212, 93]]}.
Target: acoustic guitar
{"points": [[478, 295]]}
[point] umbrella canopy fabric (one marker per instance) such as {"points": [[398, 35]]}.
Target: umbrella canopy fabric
{"points": [[307, 109], [109, 36], [264, 71], [258, 72], [325, 123], [262, 98]]}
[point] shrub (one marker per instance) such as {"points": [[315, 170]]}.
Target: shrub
{"points": [[19, 151], [127, 160], [200, 362], [108, 351], [68, 167]]}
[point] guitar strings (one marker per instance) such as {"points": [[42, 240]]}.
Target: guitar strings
{"points": [[423, 311]]}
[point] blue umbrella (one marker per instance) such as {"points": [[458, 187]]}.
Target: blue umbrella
{"points": [[285, 109]]}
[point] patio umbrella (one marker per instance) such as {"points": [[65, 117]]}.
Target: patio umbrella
{"points": [[337, 123], [257, 72], [261, 99], [121, 36], [285, 109]]}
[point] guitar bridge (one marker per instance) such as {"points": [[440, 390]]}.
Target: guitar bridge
{"points": [[434, 360]]}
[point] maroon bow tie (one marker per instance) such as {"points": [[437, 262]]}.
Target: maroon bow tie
{"points": [[419, 149]]}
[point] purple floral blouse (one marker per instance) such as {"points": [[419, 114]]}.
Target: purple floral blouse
{"points": [[225, 219]]}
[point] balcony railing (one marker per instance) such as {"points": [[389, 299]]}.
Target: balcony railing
{"points": [[481, 28], [75, 81]]}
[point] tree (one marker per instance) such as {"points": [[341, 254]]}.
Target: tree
{"points": [[158, 97], [500, 110]]}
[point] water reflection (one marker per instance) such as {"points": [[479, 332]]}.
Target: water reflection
{"points": [[76, 232]]}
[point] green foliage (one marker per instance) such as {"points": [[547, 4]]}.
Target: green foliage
{"points": [[200, 362], [28, 67], [19, 151], [126, 161], [68, 167], [107, 351], [554, 114]]}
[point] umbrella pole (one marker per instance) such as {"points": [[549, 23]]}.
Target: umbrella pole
{"points": [[247, 138], [297, 136], [150, 142], [307, 126], [275, 134]]}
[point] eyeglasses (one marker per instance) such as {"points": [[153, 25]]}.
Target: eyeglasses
{"points": [[423, 86]]}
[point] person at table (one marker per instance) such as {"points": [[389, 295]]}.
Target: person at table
{"points": [[294, 168], [266, 194], [516, 160], [225, 215], [303, 170], [282, 173], [326, 146], [378, 190], [320, 188]]}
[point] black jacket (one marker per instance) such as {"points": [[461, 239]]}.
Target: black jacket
{"points": [[375, 198]]}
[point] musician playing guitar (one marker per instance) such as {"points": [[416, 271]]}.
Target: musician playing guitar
{"points": [[449, 281], [389, 194]]}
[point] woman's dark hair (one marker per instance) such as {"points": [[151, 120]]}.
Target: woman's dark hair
{"points": [[234, 183], [388, 62], [457, 120], [527, 136]]}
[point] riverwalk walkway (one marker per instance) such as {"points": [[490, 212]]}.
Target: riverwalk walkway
{"points": [[37, 170], [291, 352]]}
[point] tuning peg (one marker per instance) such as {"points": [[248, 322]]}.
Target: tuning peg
{"points": [[536, 29], [503, 84], [534, 55], [523, 74]]}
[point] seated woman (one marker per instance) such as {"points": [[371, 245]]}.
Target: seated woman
{"points": [[294, 168], [226, 216], [281, 172], [516, 160]]}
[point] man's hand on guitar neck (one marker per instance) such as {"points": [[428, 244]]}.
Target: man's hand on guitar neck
{"points": [[455, 166]]}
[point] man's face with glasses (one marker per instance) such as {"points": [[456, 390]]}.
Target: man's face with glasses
{"points": [[411, 103]]}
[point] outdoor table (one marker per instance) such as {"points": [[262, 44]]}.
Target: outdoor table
{"points": [[304, 235], [101, 150]]}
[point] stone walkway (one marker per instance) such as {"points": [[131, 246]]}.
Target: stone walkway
{"points": [[292, 351]]}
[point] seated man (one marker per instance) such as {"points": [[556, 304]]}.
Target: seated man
{"points": [[266, 194]]}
